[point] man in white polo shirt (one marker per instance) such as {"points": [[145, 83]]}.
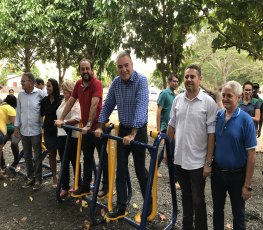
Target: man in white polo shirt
{"points": [[192, 119]]}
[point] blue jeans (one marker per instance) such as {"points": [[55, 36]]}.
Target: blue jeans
{"points": [[138, 153], [192, 185], [221, 183]]}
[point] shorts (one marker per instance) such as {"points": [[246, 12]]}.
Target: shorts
{"points": [[51, 142]]}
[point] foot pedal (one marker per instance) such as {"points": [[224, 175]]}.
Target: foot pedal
{"points": [[109, 219]]}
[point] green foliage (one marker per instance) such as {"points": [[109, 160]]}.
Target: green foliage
{"points": [[23, 25], [34, 70], [223, 65], [238, 24], [156, 79], [62, 31]]}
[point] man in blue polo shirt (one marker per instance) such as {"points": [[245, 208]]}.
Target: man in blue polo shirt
{"points": [[234, 159]]}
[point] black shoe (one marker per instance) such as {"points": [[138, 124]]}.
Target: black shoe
{"points": [[81, 191], [14, 164], [116, 213], [29, 183]]}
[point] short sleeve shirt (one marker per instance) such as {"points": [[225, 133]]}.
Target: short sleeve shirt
{"points": [[165, 100], [85, 95], [6, 111]]}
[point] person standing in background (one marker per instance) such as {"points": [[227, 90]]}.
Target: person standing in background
{"points": [[12, 101], [40, 84], [49, 106], [7, 115], [249, 104], [28, 126], [164, 105]]}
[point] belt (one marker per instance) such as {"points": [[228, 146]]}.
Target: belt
{"points": [[130, 127], [230, 171]]}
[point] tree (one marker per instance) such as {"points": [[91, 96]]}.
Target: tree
{"points": [[223, 65], [23, 26], [238, 24], [158, 30]]}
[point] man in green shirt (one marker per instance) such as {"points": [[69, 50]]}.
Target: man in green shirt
{"points": [[164, 104]]}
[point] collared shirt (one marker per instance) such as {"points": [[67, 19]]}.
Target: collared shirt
{"points": [[165, 100], [85, 95], [28, 117], [193, 120], [131, 99], [233, 138]]}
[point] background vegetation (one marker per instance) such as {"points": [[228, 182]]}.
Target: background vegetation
{"points": [[224, 36]]}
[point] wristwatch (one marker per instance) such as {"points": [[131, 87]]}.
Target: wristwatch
{"points": [[89, 124], [208, 163], [249, 188]]}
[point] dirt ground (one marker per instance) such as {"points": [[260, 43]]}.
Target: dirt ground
{"points": [[26, 209]]}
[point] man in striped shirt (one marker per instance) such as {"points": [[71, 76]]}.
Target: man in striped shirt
{"points": [[129, 91]]}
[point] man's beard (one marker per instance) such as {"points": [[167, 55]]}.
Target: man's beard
{"points": [[86, 77]]}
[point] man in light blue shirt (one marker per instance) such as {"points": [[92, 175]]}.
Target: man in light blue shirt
{"points": [[28, 126]]}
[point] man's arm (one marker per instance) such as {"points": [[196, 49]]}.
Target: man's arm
{"points": [[210, 153], [158, 117], [92, 114], [249, 173], [93, 108]]}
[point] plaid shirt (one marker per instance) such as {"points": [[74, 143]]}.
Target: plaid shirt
{"points": [[131, 99]]}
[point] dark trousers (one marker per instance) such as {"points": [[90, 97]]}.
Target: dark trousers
{"points": [[89, 143], [192, 185], [221, 183], [123, 152], [34, 168], [72, 154]]}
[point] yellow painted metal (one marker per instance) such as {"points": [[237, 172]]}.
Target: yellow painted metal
{"points": [[76, 181], [112, 160], [154, 133]]}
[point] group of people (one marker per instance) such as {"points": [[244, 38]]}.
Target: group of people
{"points": [[205, 139], [216, 141]]}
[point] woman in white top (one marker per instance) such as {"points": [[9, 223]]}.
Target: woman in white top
{"points": [[72, 118]]}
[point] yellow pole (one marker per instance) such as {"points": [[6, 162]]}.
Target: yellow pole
{"points": [[76, 181], [112, 158]]}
